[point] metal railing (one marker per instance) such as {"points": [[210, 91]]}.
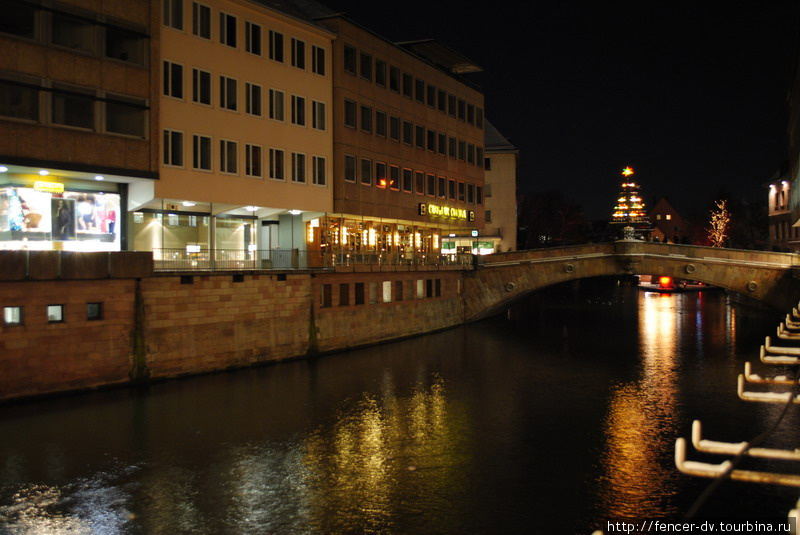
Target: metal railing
{"points": [[198, 259]]}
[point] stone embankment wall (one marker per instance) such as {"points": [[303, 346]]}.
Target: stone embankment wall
{"points": [[154, 326]]}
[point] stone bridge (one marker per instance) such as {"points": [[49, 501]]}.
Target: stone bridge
{"points": [[500, 279]]}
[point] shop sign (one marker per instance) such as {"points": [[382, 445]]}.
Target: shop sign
{"points": [[48, 187], [446, 211]]}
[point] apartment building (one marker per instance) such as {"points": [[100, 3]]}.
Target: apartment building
{"points": [[246, 144], [77, 116]]}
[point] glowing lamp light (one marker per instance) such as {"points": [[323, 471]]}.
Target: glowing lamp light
{"points": [[44, 172], [627, 171], [382, 182], [3, 169], [99, 177], [188, 204], [295, 212], [665, 282]]}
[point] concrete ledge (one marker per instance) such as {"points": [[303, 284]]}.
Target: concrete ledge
{"points": [[43, 265], [131, 265], [13, 265], [84, 265], [69, 265]]}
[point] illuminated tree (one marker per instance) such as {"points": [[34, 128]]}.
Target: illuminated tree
{"points": [[719, 224]]}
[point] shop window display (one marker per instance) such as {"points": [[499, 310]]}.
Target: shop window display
{"points": [[35, 219]]}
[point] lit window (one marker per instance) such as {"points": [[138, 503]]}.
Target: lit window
{"points": [[12, 315], [55, 313]]}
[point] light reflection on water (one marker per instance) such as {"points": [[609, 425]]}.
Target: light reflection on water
{"points": [[542, 424]]}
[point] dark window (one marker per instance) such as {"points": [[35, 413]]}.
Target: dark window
{"points": [[125, 45], [470, 114], [94, 311], [380, 175], [437, 287], [428, 287], [227, 29], [201, 20], [394, 128], [173, 13], [20, 19], [407, 180], [408, 132], [431, 144], [441, 101], [394, 177], [478, 195], [252, 38], [366, 66], [441, 187], [380, 123], [325, 296], [380, 73], [359, 293], [419, 177], [344, 294], [349, 168], [366, 119], [451, 147], [366, 171], [430, 96], [479, 117], [349, 59], [442, 145], [470, 153], [462, 109], [451, 189], [349, 113], [276, 46], [461, 191], [479, 155], [173, 79], [72, 108], [126, 116], [318, 60], [407, 85], [431, 181], [419, 90], [394, 78], [19, 101], [398, 290], [73, 33], [420, 136], [462, 150], [298, 53], [471, 193], [451, 105]]}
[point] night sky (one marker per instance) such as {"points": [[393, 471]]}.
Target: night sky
{"points": [[694, 98]]}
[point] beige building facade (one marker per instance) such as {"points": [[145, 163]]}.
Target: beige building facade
{"points": [[77, 120], [246, 150]]}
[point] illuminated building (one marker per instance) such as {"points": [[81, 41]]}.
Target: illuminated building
{"points": [[77, 116], [668, 224], [782, 235]]}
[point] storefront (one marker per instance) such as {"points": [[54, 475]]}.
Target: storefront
{"points": [[52, 212]]}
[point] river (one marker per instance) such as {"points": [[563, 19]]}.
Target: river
{"points": [[553, 419]]}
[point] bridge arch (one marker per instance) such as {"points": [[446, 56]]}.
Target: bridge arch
{"points": [[503, 278]]}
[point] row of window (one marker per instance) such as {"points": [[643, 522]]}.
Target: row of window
{"points": [[389, 126], [374, 293], [76, 30], [381, 175], [229, 98], [229, 158], [230, 31], [66, 105], [363, 65], [15, 315]]}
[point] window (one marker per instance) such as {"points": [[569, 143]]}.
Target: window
{"points": [[408, 131], [398, 290], [173, 79], [276, 159], [441, 144], [441, 101], [407, 181], [380, 123], [428, 287], [276, 46], [126, 45], [252, 99], [430, 96], [478, 155], [431, 182], [380, 175], [487, 190], [173, 14], [487, 164], [349, 168], [276, 105], [488, 216], [407, 83], [386, 291], [227, 156], [298, 110], [349, 113], [420, 289], [252, 38], [344, 294], [470, 114], [366, 66], [12, 315], [201, 152], [478, 195], [227, 29], [227, 93], [419, 90], [373, 293], [394, 128], [94, 311], [366, 171], [419, 130], [470, 153], [366, 119], [419, 178], [298, 53], [125, 116], [380, 73], [73, 33], [252, 160], [55, 313], [298, 167], [431, 141], [325, 296], [394, 177], [451, 147], [201, 87], [461, 191], [318, 115], [20, 21], [462, 150], [437, 287], [318, 171], [359, 293], [462, 109], [173, 148], [394, 78], [479, 117], [451, 189], [349, 59], [201, 20], [451, 105], [19, 100], [471, 193], [318, 60], [441, 187]]}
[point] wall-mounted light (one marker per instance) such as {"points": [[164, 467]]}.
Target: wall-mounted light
{"points": [[44, 172], [3, 169], [187, 203], [99, 177], [251, 208], [295, 212]]}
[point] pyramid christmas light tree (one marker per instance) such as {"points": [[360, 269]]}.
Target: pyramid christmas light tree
{"points": [[629, 210]]}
